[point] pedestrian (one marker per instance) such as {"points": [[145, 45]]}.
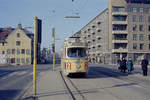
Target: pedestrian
{"points": [[118, 64], [123, 66], [130, 65], [144, 65]]}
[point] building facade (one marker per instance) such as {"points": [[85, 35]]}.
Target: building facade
{"points": [[121, 30], [16, 46]]}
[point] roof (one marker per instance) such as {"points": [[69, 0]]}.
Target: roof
{"points": [[5, 32]]}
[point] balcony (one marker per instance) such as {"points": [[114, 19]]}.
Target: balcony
{"points": [[120, 41], [119, 13], [119, 32], [120, 22], [122, 50]]}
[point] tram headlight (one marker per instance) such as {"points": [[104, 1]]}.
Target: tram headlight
{"points": [[78, 66]]}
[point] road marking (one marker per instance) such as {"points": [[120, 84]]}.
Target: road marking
{"points": [[9, 75], [15, 73], [22, 73], [4, 73]]}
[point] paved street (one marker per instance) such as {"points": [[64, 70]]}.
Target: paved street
{"points": [[103, 82], [15, 80]]}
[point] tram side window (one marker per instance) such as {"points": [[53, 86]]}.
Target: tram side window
{"points": [[76, 52]]}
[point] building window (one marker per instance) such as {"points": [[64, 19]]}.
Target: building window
{"points": [[99, 23], [18, 60], [141, 37], [89, 35], [148, 10], [18, 34], [118, 9], [134, 9], [89, 42], [134, 36], [141, 46], [141, 9], [149, 47], [8, 51], [134, 18], [84, 31], [149, 28], [89, 29], [148, 37], [99, 46], [134, 27], [93, 26], [27, 60], [17, 43], [141, 28], [8, 60], [141, 19], [12, 60], [99, 30], [93, 33], [27, 51], [23, 60], [148, 18], [3, 52], [18, 51], [13, 51], [93, 40], [99, 38], [134, 45], [23, 51]]}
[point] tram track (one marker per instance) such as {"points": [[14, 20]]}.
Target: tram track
{"points": [[70, 90]]}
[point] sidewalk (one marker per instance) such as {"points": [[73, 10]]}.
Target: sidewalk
{"points": [[49, 87]]}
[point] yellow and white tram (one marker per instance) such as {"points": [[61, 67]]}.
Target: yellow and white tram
{"points": [[73, 56]]}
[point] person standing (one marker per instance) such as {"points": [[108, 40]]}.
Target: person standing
{"points": [[130, 65], [144, 65], [123, 66]]}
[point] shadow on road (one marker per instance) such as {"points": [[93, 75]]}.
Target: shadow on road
{"points": [[8, 94], [104, 72]]}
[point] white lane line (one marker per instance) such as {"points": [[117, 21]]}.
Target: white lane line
{"points": [[4, 73], [13, 73], [22, 73]]}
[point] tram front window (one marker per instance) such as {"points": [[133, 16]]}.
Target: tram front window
{"points": [[76, 52]]}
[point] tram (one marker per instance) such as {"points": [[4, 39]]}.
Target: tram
{"points": [[73, 56]]}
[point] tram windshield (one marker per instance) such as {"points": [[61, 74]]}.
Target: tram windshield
{"points": [[76, 52]]}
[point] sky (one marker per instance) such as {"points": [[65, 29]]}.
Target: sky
{"points": [[52, 13]]}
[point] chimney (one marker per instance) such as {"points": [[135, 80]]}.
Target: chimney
{"points": [[19, 26]]}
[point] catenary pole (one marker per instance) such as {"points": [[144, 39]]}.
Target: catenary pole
{"points": [[35, 55]]}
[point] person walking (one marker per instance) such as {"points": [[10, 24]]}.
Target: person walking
{"points": [[123, 65], [144, 65], [130, 65]]}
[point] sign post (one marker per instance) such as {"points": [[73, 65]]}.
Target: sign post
{"points": [[53, 48]]}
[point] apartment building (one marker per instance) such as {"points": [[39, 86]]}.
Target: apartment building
{"points": [[121, 30], [16, 46]]}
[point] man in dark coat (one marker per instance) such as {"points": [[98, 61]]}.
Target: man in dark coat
{"points": [[144, 66], [123, 65]]}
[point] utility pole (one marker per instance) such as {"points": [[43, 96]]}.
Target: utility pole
{"points": [[37, 32], [53, 47], [35, 55]]}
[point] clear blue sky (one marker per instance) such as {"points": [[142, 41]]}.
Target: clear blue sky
{"points": [[52, 13]]}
